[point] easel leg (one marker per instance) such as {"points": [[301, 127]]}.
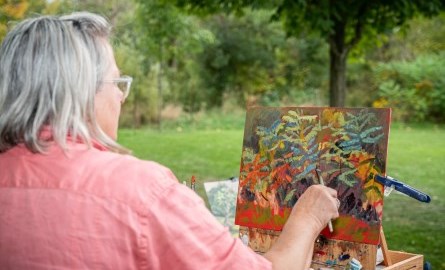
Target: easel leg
{"points": [[386, 258]]}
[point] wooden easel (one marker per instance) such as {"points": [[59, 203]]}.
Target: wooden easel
{"points": [[384, 246]]}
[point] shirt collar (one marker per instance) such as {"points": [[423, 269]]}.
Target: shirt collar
{"points": [[46, 134]]}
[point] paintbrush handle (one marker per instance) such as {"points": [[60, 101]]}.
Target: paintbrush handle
{"points": [[320, 179], [331, 229]]}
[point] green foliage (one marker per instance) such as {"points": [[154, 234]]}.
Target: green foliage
{"points": [[368, 17], [420, 37], [251, 57], [159, 24], [345, 23], [112, 9], [173, 39], [12, 11], [426, 35], [341, 23], [241, 60], [219, 60], [414, 89]]}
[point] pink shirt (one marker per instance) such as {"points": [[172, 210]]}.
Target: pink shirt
{"points": [[93, 209]]}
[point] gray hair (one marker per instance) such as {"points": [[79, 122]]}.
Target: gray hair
{"points": [[50, 70]]}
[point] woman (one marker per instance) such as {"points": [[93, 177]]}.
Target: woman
{"points": [[72, 198]]}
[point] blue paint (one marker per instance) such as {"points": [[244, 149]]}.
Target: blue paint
{"points": [[343, 257], [331, 262]]}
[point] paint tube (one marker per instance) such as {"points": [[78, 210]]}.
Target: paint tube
{"points": [[193, 183], [354, 264]]}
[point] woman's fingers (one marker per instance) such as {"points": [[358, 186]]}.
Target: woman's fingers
{"points": [[318, 204]]}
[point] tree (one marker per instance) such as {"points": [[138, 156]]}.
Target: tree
{"points": [[11, 10], [170, 40], [242, 59], [341, 23]]}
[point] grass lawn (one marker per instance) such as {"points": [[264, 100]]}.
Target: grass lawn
{"points": [[416, 156]]}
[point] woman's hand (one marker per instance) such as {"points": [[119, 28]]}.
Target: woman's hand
{"points": [[312, 212], [317, 206]]}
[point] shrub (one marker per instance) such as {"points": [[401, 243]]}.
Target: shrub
{"points": [[415, 90]]}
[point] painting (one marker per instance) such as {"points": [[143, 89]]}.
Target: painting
{"points": [[221, 196], [283, 147]]}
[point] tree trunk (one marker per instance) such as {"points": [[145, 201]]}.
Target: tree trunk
{"points": [[338, 53], [337, 82]]}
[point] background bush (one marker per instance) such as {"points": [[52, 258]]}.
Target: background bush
{"points": [[415, 89]]}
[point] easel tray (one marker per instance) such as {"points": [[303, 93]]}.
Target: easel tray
{"points": [[404, 261]]}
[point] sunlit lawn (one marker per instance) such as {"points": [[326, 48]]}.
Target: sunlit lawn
{"points": [[416, 156]]}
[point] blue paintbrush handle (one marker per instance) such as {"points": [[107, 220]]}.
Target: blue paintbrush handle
{"points": [[403, 188]]}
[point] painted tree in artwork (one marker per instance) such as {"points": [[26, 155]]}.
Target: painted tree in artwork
{"points": [[281, 164]]}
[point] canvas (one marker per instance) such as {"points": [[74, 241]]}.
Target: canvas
{"points": [[221, 196], [284, 146]]}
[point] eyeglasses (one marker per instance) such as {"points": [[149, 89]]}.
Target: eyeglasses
{"points": [[123, 83]]}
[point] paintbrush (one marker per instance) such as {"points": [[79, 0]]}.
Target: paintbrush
{"points": [[320, 179]]}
